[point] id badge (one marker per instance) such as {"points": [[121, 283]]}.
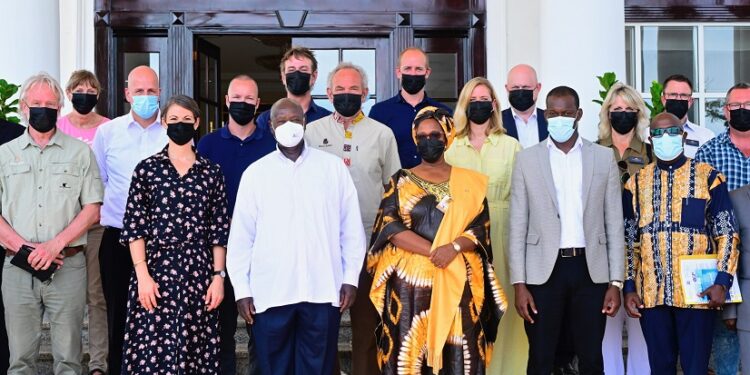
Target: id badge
{"points": [[443, 205]]}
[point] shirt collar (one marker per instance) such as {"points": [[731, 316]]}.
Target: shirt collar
{"points": [[635, 144], [551, 144], [300, 159], [492, 139], [132, 123], [517, 117], [226, 134], [673, 166], [341, 120], [163, 155], [28, 141], [313, 107], [425, 99]]}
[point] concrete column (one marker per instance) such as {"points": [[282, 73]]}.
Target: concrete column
{"points": [[76, 39]]}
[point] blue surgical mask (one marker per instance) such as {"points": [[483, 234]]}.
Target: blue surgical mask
{"points": [[561, 128], [667, 147], [145, 105]]}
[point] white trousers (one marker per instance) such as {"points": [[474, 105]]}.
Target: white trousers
{"points": [[612, 346]]}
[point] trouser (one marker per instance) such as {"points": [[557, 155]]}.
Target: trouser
{"points": [[744, 337], [612, 346], [228, 322], [4, 352], [298, 339], [62, 299], [569, 298], [98, 336], [116, 268], [365, 321], [725, 352], [672, 332]]}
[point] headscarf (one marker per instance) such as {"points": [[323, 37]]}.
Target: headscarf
{"points": [[441, 116]]}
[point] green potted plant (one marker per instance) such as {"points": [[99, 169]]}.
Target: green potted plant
{"points": [[8, 105], [655, 107], [606, 80]]}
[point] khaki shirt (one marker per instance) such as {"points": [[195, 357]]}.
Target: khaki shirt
{"points": [[371, 156], [636, 156], [42, 190]]}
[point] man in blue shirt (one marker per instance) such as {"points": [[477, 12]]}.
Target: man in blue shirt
{"points": [[234, 147], [398, 112], [299, 71]]}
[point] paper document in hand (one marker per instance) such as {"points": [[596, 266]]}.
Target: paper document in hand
{"points": [[698, 273]]}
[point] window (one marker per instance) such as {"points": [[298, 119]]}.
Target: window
{"points": [[713, 56], [328, 59]]}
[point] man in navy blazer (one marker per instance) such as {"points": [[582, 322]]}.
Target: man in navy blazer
{"points": [[523, 121]]}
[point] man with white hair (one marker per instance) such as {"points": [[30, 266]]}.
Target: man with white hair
{"points": [[50, 193], [369, 150]]}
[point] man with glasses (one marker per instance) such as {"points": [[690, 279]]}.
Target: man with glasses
{"points": [[672, 208], [729, 153], [677, 98]]}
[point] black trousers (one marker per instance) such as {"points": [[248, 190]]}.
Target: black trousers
{"points": [[116, 267], [569, 299], [4, 349], [228, 324]]}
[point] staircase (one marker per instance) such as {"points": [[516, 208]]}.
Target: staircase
{"points": [[44, 365]]}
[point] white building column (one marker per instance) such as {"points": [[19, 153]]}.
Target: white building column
{"points": [[76, 40], [568, 42], [32, 36]]}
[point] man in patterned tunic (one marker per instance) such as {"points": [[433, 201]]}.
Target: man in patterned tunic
{"points": [[672, 208]]}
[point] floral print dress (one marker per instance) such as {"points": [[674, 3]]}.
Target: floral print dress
{"points": [[181, 218]]}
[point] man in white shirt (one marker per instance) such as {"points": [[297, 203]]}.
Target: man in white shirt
{"points": [[523, 120], [677, 98], [295, 249], [118, 146]]}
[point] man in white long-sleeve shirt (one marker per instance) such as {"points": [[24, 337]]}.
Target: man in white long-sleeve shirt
{"points": [[296, 247]]}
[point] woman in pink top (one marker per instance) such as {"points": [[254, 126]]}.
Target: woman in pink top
{"points": [[81, 123]]}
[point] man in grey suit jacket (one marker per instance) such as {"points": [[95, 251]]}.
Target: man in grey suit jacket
{"points": [[566, 239], [740, 314]]}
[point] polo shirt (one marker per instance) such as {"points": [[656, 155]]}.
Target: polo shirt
{"points": [[315, 112]]}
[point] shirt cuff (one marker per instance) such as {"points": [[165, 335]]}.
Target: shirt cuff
{"points": [[629, 287], [725, 279], [352, 277], [241, 290], [518, 282]]}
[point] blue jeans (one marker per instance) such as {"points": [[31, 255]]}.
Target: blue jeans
{"points": [[725, 355]]}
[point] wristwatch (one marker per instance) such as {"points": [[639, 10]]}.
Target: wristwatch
{"points": [[618, 284], [221, 273], [456, 246]]}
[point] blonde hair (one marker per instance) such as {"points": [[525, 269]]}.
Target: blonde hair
{"points": [[633, 99], [417, 49], [459, 115], [80, 77]]}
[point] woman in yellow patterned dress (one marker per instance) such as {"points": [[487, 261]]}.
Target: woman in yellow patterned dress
{"points": [[434, 285], [482, 145]]}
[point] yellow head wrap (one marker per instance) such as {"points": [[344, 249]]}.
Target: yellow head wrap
{"points": [[441, 116]]}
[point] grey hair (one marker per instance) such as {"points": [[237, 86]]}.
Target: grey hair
{"points": [[347, 65], [45, 79]]}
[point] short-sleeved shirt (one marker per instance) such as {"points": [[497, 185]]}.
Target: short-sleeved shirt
{"points": [[636, 156], [42, 190], [234, 155], [398, 114], [727, 158], [315, 112], [84, 135], [372, 157]]}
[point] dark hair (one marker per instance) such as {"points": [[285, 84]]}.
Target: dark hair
{"points": [[738, 86], [299, 52], [678, 78], [183, 101], [561, 91]]}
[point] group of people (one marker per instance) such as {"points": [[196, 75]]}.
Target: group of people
{"points": [[425, 222]]}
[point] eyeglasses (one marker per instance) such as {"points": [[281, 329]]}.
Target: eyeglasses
{"points": [[672, 130], [624, 174], [674, 95], [733, 106]]}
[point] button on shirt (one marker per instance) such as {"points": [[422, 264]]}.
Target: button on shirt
{"points": [[568, 177], [399, 115], [42, 190], [723, 155], [315, 112], [119, 146], [234, 155], [528, 131], [296, 232]]}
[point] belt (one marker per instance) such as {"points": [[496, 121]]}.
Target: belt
{"points": [[67, 251], [570, 252]]}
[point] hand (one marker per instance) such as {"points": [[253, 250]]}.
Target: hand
{"points": [[215, 293], [717, 295], [731, 324], [148, 291], [246, 309], [46, 253], [347, 296], [443, 256], [611, 301], [524, 302], [632, 304]]}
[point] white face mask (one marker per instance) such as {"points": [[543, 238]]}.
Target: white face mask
{"points": [[289, 134]]}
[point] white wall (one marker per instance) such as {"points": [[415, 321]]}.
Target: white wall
{"points": [[76, 40], [569, 43]]}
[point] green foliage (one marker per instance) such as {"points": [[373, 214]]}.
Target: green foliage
{"points": [[714, 110], [656, 107], [8, 105], [606, 81]]}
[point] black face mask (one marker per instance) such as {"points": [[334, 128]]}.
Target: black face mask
{"points": [[347, 105], [413, 83], [430, 149], [242, 113], [623, 122], [84, 103], [42, 119], [740, 119], [521, 99], [181, 132], [479, 111], [298, 82], [676, 107]]}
